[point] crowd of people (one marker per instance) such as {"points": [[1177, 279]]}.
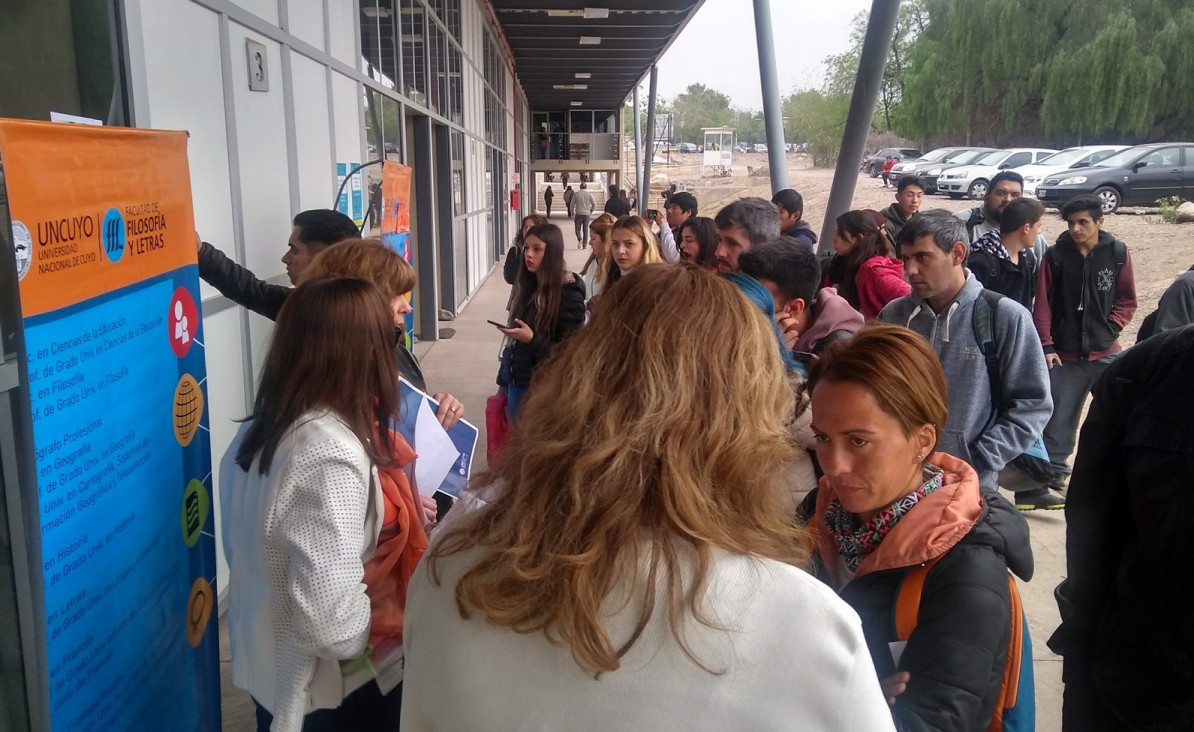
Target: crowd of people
{"points": [[746, 486]]}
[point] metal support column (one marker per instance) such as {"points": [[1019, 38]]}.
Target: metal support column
{"points": [[638, 152], [773, 111], [644, 193], [426, 300], [876, 46]]}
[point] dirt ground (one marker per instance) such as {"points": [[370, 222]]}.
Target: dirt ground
{"points": [[1159, 251]]}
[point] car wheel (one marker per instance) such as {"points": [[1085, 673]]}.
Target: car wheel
{"points": [[978, 189], [1109, 197], [955, 196], [873, 171]]}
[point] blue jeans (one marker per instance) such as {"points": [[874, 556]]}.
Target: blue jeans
{"points": [[514, 397]]}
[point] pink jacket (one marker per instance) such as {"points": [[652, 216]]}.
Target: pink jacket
{"points": [[880, 280]]}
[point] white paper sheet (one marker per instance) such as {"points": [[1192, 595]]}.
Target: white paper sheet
{"points": [[437, 452]]}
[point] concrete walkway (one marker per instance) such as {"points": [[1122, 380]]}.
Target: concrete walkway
{"points": [[466, 366]]}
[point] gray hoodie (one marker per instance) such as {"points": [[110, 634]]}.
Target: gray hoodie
{"points": [[1027, 402]]}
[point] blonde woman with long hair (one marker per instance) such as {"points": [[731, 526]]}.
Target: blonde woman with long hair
{"points": [[638, 564], [596, 269]]}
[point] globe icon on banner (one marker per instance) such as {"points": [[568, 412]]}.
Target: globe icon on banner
{"points": [[188, 409]]}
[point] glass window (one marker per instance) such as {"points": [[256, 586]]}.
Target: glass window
{"points": [[81, 76], [455, 85], [580, 121], [438, 87], [379, 60], [414, 60], [1016, 160], [448, 12], [1165, 157], [605, 121], [457, 138]]}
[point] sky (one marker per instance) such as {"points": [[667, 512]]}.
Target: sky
{"points": [[718, 47]]}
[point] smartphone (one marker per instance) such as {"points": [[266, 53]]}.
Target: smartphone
{"points": [[497, 324]]}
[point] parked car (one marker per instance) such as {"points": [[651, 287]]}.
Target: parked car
{"points": [[741, 148], [686, 147], [933, 156], [972, 180], [760, 147], [1138, 176], [1070, 158], [930, 172], [873, 165]]}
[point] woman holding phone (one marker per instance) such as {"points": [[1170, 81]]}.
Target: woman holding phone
{"points": [[549, 305]]}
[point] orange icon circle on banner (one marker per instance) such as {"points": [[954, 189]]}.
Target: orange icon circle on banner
{"points": [[188, 409], [199, 608]]}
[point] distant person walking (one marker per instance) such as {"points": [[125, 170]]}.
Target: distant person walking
{"points": [[547, 198], [582, 206], [569, 194], [616, 204], [888, 164]]}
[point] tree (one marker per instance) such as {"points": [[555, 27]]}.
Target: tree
{"points": [[820, 119], [1051, 71], [699, 106]]}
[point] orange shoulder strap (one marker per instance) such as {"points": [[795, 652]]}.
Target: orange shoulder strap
{"points": [[907, 604]]}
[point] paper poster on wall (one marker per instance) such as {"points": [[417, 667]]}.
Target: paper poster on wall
{"points": [[351, 201], [115, 361], [395, 219]]}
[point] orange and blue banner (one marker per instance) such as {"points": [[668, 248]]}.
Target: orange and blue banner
{"points": [[104, 236]]}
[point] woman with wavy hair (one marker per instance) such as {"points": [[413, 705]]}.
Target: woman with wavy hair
{"points": [[371, 259], [864, 268], [631, 244], [638, 564]]}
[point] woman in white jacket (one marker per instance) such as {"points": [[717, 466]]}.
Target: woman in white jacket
{"points": [[302, 511]]}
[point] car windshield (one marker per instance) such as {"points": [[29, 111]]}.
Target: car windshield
{"points": [[941, 153], [1121, 159], [1065, 157], [992, 158], [968, 156]]}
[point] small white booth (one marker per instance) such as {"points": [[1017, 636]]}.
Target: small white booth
{"points": [[719, 143]]}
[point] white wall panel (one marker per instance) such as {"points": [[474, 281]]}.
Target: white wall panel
{"points": [[342, 22], [306, 20], [265, 9], [226, 402], [313, 134], [182, 42], [347, 106], [264, 174]]}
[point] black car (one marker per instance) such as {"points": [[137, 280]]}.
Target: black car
{"points": [[873, 165], [1138, 176]]}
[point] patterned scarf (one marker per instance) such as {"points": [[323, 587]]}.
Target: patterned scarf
{"points": [[855, 542], [990, 243]]}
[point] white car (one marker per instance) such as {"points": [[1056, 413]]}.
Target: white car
{"points": [[1068, 159], [972, 180]]}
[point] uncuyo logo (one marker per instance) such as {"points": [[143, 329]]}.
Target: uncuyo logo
{"points": [[112, 235], [22, 243]]}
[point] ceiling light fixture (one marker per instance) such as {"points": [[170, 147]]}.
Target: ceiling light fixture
{"points": [[583, 75], [596, 13], [565, 13], [590, 40], [574, 103], [569, 87]]}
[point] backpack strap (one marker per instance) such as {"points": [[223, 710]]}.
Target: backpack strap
{"points": [[984, 333], [1121, 255], [976, 218]]}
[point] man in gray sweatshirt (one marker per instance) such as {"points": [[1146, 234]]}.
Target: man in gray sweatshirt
{"points": [[933, 246]]}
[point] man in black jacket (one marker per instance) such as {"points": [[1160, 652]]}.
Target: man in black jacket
{"points": [[1085, 295], [1003, 260], [616, 205], [1125, 633], [313, 231]]}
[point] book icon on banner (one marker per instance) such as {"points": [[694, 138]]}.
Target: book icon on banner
{"points": [[445, 459]]}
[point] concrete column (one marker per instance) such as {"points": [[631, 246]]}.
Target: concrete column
{"points": [[644, 198], [773, 111], [875, 47], [638, 152], [426, 300]]}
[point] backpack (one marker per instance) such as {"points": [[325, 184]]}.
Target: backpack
{"points": [[1148, 327], [1015, 708], [1035, 461]]}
